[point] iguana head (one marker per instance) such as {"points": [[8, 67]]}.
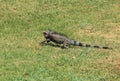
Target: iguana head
{"points": [[47, 33]]}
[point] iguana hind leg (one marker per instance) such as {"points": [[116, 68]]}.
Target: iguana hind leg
{"points": [[65, 44]]}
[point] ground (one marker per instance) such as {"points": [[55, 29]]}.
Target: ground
{"points": [[93, 22]]}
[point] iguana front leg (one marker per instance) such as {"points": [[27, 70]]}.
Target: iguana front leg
{"points": [[45, 41]]}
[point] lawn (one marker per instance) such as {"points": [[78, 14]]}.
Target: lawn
{"points": [[95, 22]]}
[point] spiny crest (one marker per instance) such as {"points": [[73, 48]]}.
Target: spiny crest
{"points": [[53, 32]]}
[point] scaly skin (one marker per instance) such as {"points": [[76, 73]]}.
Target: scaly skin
{"points": [[59, 38]]}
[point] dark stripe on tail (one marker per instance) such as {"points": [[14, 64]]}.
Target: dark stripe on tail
{"points": [[74, 42], [87, 45], [77, 43], [80, 44], [96, 46], [106, 47]]}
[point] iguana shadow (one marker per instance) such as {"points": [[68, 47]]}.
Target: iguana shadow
{"points": [[51, 44]]}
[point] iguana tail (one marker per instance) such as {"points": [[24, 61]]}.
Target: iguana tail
{"points": [[75, 43]]}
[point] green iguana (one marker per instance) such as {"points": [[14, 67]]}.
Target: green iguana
{"points": [[59, 38]]}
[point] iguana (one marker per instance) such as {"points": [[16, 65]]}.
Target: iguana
{"points": [[60, 38]]}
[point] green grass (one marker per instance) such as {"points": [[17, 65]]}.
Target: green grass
{"points": [[89, 21]]}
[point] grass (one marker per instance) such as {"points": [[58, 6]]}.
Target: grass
{"points": [[94, 22]]}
